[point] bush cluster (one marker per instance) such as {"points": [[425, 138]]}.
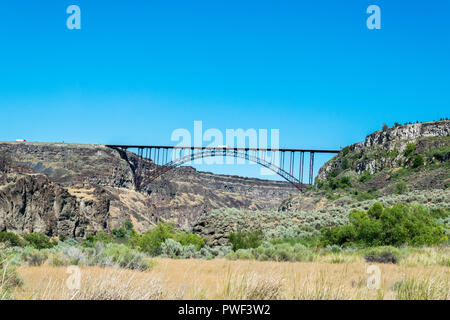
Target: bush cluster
{"points": [[245, 239], [151, 242], [71, 253], [36, 240], [400, 188], [39, 240], [11, 239], [383, 255], [378, 226], [278, 252]]}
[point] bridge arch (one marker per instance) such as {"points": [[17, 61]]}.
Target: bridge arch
{"points": [[236, 153], [292, 172]]}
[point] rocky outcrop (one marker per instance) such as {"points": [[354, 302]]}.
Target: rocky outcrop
{"points": [[74, 164], [410, 132], [33, 203], [385, 148]]}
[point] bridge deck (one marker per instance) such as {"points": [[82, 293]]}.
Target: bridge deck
{"points": [[220, 148]]}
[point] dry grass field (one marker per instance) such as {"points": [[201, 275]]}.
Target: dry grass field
{"points": [[242, 279]]}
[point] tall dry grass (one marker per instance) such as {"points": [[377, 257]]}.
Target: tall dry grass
{"points": [[9, 279], [224, 279]]}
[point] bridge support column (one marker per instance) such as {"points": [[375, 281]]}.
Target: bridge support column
{"points": [[311, 168]]}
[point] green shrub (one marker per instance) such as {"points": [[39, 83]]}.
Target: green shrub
{"points": [[320, 183], [213, 252], [383, 255], [11, 239], [375, 210], [125, 231], [400, 188], [187, 239], [175, 250], [333, 173], [34, 257], [151, 241], [126, 257], [119, 233], [307, 240], [245, 240], [342, 235], [363, 196], [189, 252], [400, 224], [345, 164], [171, 248], [280, 252], [39, 240], [334, 248], [101, 237], [128, 225], [346, 182], [418, 161], [409, 149], [400, 173], [392, 154], [440, 154], [365, 176], [284, 252], [241, 254]]}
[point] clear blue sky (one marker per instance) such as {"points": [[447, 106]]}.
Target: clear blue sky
{"points": [[137, 70]]}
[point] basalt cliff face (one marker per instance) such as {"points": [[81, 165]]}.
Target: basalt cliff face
{"points": [[394, 162], [33, 203], [385, 149], [75, 189]]}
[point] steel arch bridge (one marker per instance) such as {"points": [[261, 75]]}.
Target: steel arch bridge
{"points": [[280, 161]]}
